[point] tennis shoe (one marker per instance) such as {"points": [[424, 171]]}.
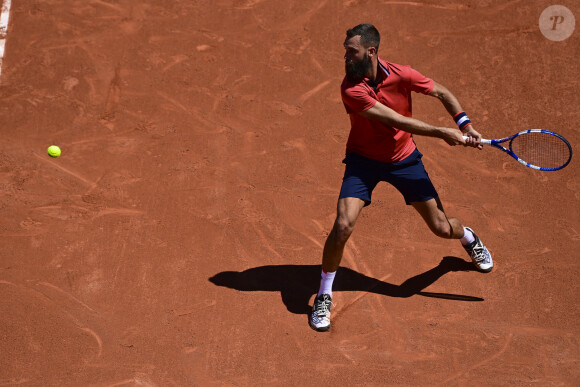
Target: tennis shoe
{"points": [[479, 254], [320, 317]]}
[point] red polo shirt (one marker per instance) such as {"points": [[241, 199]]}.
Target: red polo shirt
{"points": [[373, 139]]}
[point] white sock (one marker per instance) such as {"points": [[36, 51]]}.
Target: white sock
{"points": [[326, 280], [467, 237]]}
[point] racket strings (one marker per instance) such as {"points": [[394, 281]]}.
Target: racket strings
{"points": [[541, 149]]}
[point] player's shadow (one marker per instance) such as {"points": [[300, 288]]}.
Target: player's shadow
{"points": [[298, 283]]}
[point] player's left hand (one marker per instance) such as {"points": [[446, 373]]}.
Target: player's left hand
{"points": [[473, 137]]}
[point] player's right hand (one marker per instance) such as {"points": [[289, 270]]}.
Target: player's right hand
{"points": [[453, 137]]}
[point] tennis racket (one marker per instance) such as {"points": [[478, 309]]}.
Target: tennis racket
{"points": [[539, 149]]}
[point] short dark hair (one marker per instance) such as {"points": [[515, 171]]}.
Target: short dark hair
{"points": [[369, 35]]}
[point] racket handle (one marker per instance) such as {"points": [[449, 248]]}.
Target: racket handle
{"points": [[483, 140]]}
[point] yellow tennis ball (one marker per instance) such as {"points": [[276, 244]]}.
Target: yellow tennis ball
{"points": [[53, 151]]}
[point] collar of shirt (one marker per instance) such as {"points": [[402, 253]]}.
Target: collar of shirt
{"points": [[383, 67]]}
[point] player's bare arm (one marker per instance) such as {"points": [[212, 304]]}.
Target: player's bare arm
{"points": [[451, 104], [388, 116], [447, 98]]}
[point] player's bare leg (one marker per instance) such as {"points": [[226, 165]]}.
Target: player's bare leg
{"points": [[434, 215], [348, 210], [451, 228]]}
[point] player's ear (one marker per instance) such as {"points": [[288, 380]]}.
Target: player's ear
{"points": [[372, 51]]}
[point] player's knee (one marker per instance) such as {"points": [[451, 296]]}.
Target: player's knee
{"points": [[442, 229], [343, 229]]}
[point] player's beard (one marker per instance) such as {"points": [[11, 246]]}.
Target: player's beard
{"points": [[356, 71]]}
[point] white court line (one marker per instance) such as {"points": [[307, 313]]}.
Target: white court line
{"points": [[4, 28]]}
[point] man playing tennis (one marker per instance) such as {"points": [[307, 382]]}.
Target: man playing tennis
{"points": [[380, 147]]}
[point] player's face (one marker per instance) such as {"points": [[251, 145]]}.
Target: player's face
{"points": [[356, 59], [354, 51]]}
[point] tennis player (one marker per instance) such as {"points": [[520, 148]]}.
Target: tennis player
{"points": [[380, 147]]}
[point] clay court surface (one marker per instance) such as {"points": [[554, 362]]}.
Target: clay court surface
{"points": [[177, 241]]}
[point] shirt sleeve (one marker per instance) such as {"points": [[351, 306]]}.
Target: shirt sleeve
{"points": [[356, 98], [418, 82]]}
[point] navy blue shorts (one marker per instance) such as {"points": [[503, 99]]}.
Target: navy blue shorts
{"points": [[408, 176]]}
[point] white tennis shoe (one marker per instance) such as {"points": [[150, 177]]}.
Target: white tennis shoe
{"points": [[479, 254], [320, 317]]}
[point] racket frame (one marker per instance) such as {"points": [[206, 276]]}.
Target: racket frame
{"points": [[496, 144]]}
